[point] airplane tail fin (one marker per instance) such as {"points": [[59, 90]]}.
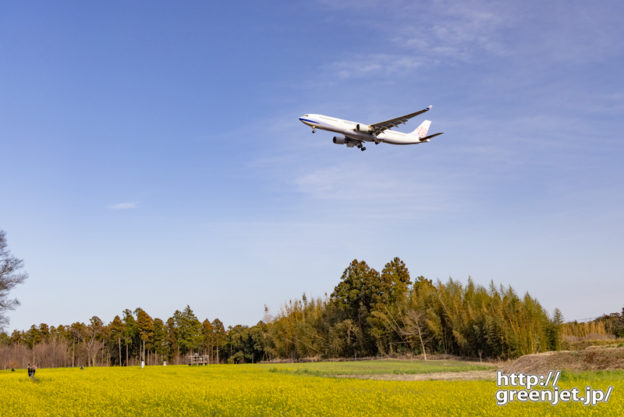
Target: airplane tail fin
{"points": [[421, 131]]}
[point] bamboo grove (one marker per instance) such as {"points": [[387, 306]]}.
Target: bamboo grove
{"points": [[369, 313]]}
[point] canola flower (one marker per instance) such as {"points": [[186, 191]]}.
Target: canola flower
{"points": [[258, 390]]}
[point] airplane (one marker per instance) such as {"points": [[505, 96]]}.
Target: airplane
{"points": [[356, 134]]}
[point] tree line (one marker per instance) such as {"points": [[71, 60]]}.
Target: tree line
{"points": [[373, 313], [129, 339], [369, 313], [607, 326]]}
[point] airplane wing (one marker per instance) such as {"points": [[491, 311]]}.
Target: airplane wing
{"points": [[377, 128]]}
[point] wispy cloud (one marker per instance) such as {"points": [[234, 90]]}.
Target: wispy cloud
{"points": [[413, 34], [454, 31], [127, 205], [361, 65], [438, 29], [355, 190]]}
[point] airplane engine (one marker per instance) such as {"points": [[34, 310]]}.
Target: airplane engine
{"points": [[363, 128], [341, 140]]}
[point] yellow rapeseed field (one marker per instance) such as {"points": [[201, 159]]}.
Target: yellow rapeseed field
{"points": [[264, 390]]}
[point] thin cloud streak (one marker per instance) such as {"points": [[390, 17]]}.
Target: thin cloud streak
{"points": [[359, 66], [353, 189], [129, 205]]}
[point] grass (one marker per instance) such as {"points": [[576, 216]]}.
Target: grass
{"points": [[376, 367], [593, 376], [277, 390]]}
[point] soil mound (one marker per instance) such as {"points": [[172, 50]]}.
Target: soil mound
{"points": [[590, 359]]}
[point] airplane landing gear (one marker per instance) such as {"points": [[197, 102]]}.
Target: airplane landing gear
{"points": [[313, 130], [363, 148]]}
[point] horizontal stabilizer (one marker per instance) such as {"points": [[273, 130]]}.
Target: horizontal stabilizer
{"points": [[430, 136]]}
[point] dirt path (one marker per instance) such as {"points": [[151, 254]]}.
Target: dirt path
{"points": [[446, 376]]}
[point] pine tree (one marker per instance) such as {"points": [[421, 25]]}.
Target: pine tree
{"points": [[359, 290], [160, 345], [130, 334], [219, 337], [145, 328], [116, 328], [189, 330]]}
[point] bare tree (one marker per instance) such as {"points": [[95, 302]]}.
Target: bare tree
{"points": [[414, 327], [93, 344], [10, 276]]}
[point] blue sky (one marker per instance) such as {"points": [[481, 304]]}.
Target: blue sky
{"points": [[151, 153]]}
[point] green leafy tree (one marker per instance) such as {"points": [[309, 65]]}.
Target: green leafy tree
{"points": [[388, 307], [145, 328], [130, 333], [220, 338], [33, 336], [396, 281], [189, 330], [208, 338], [17, 337], [359, 290], [160, 345], [554, 330], [236, 345], [258, 341], [172, 338], [116, 329]]}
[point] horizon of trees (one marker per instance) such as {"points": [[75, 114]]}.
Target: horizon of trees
{"points": [[607, 326], [369, 313]]}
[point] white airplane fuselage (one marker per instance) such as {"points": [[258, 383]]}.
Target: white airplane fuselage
{"points": [[358, 132]]}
